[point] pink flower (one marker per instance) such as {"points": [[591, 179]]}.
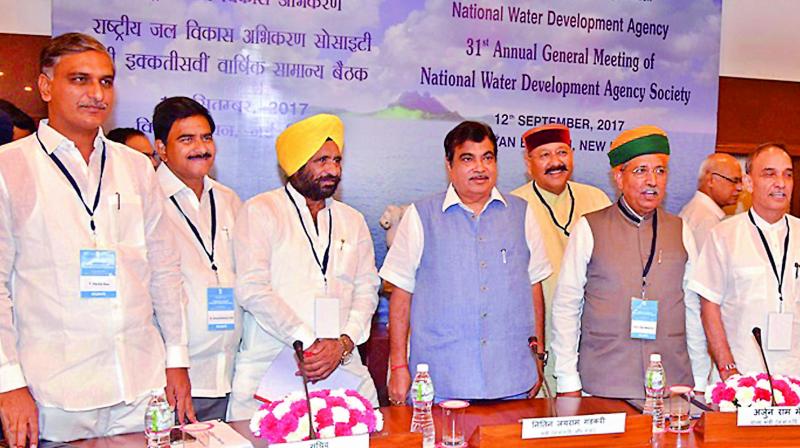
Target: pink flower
{"points": [[762, 394], [747, 381]]}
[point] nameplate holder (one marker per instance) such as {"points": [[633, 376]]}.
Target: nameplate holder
{"points": [[579, 425], [360, 441], [770, 416]]}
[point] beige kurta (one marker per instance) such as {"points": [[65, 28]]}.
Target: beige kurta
{"points": [[587, 200]]}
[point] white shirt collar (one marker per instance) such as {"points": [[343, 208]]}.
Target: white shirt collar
{"points": [[172, 185], [52, 139], [709, 204], [764, 225], [451, 198], [300, 200]]}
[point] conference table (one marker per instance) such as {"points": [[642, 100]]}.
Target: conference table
{"points": [[504, 415]]}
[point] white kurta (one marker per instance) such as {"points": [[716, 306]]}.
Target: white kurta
{"points": [[701, 214], [733, 270], [211, 353], [79, 354], [278, 280]]}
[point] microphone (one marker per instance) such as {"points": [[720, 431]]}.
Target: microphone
{"points": [[757, 335], [298, 351], [533, 344]]}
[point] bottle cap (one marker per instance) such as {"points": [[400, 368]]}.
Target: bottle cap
{"points": [[655, 357], [422, 367]]}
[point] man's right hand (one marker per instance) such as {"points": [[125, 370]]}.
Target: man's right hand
{"points": [[575, 394], [399, 384], [724, 374], [20, 418]]}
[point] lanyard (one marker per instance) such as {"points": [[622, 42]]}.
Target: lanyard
{"points": [[74, 184], [197, 232], [323, 266], [649, 264], [778, 278], [552, 214]]}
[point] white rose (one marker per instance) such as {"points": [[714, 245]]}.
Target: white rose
{"points": [[360, 428], [281, 409], [327, 432], [299, 433], [355, 404], [378, 420], [255, 422], [745, 396], [727, 406], [340, 414]]}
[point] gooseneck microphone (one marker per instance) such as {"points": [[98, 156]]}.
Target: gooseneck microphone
{"points": [[757, 335], [298, 351]]}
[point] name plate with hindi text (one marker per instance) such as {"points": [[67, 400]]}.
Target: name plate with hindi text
{"points": [[770, 416], [579, 425], [360, 441]]}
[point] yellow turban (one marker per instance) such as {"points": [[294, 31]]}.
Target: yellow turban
{"points": [[300, 141]]}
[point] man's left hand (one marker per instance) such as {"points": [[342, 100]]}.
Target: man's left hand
{"points": [[179, 394], [322, 358]]}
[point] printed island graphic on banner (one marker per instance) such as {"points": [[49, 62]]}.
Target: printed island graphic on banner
{"points": [[402, 73]]}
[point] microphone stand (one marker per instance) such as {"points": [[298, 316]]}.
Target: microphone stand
{"points": [[533, 344], [298, 351], [757, 335]]}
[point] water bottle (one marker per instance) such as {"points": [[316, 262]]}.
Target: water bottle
{"points": [[654, 384], [158, 420], [422, 397]]}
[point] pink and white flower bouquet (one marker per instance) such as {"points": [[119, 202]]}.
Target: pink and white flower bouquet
{"points": [[744, 391], [338, 412]]}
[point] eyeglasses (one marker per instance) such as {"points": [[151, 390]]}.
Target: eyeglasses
{"points": [[642, 171], [735, 180]]}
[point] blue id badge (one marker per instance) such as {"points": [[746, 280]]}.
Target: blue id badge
{"points": [[644, 318], [221, 311], [98, 274]]}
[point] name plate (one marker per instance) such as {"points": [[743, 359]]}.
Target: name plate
{"points": [[771, 416], [360, 441], [579, 425]]}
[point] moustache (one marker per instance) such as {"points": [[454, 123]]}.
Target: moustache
{"points": [[556, 169], [650, 191], [204, 155], [334, 179], [98, 105]]}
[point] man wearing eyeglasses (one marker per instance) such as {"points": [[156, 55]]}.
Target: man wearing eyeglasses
{"points": [[620, 295], [718, 185]]}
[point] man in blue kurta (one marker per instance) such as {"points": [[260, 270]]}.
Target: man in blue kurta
{"points": [[467, 266]]}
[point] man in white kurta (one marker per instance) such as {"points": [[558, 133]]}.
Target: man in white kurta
{"points": [[739, 285], [91, 312], [718, 185], [293, 248], [556, 202], [202, 213]]}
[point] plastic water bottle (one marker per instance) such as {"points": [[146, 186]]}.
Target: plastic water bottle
{"points": [[158, 420], [422, 396], [655, 382]]}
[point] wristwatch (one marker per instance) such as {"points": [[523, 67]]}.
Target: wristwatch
{"points": [[728, 367], [347, 349]]}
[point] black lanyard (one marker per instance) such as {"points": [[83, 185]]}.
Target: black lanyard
{"points": [[636, 219], [779, 278], [74, 184], [197, 232], [552, 214], [323, 267]]}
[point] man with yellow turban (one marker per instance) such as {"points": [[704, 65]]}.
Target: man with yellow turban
{"points": [[620, 295], [305, 272]]}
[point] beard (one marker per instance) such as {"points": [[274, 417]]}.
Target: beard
{"points": [[312, 187]]}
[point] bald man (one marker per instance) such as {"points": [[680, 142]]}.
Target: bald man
{"points": [[719, 183]]}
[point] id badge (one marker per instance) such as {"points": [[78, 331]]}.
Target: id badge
{"points": [[644, 318], [779, 331], [220, 309], [98, 274], [326, 318]]}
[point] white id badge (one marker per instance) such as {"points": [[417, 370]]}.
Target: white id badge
{"points": [[779, 331], [644, 318], [326, 318], [220, 309], [98, 274]]}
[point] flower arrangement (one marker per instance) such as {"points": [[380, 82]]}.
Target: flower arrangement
{"points": [[744, 391], [338, 412]]}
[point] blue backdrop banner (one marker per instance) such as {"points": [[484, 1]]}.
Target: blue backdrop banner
{"points": [[402, 73]]}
